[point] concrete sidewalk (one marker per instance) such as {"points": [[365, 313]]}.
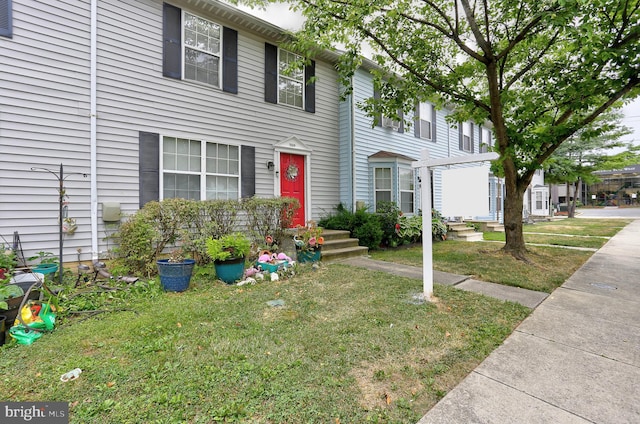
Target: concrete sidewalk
{"points": [[575, 359], [525, 297]]}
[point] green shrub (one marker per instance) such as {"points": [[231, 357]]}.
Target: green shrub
{"points": [[389, 214], [269, 217], [410, 228], [341, 219]]}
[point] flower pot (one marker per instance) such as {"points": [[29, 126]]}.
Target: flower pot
{"points": [[175, 276], [304, 256], [46, 268], [230, 270]]}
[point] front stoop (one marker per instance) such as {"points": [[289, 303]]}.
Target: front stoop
{"points": [[460, 231], [339, 245], [488, 226]]}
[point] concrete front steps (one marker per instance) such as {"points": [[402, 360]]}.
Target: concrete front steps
{"points": [[488, 226], [339, 245], [460, 231]]}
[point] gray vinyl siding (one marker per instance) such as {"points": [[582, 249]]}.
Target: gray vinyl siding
{"points": [[49, 111], [44, 121]]}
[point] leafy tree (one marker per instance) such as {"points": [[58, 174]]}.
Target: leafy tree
{"points": [[585, 152], [539, 70]]}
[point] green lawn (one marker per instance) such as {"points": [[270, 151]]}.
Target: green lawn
{"points": [[349, 345], [549, 267]]}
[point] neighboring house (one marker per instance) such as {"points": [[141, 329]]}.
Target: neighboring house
{"points": [[153, 100], [536, 198], [376, 154]]}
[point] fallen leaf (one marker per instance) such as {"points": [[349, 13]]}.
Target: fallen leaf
{"points": [[74, 404], [337, 420], [38, 374], [179, 325], [447, 334], [387, 398], [111, 384]]}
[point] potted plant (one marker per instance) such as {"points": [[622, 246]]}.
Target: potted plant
{"points": [[47, 263], [175, 271], [308, 241], [228, 254]]}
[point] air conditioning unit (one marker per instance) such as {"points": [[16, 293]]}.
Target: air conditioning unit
{"points": [[390, 123]]}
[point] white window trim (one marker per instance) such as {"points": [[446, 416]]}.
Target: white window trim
{"points": [[302, 82], [185, 46], [203, 174]]}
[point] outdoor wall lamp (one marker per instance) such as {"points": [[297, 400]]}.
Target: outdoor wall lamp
{"points": [[271, 165]]}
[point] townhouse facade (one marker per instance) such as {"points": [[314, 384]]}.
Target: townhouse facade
{"points": [[150, 100]]}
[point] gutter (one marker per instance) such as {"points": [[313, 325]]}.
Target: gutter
{"points": [[93, 130]]}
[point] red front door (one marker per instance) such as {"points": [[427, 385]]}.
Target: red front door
{"points": [[292, 182]]}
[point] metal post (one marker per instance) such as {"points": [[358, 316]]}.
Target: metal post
{"points": [[427, 239], [61, 201]]}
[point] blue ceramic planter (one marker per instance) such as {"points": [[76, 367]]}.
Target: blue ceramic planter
{"points": [[175, 276], [230, 271]]}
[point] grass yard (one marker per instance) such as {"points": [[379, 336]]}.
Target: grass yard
{"points": [[549, 267], [348, 346]]}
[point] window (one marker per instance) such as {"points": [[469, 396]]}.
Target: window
{"points": [[287, 80], [485, 140], [538, 200], [290, 79], [199, 170], [466, 137], [198, 49], [406, 190], [202, 41], [382, 185], [6, 29], [426, 122]]}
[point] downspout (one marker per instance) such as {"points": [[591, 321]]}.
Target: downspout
{"points": [[93, 131], [353, 146]]}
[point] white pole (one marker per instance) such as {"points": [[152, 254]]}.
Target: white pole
{"points": [[427, 242]]}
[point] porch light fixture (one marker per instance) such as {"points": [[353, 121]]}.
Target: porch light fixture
{"points": [[270, 165]]}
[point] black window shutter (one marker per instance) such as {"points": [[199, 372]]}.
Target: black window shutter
{"points": [[416, 121], [401, 115], [230, 60], [248, 171], [149, 167], [377, 120], [434, 127], [460, 136], [270, 73], [6, 26], [310, 88], [172, 50]]}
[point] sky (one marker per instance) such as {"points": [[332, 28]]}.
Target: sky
{"points": [[280, 15]]}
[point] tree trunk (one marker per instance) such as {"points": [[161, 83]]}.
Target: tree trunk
{"points": [[570, 209], [513, 204]]}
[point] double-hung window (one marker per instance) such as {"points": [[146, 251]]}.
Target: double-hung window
{"points": [[485, 140], [466, 137], [202, 43], [199, 170], [382, 185], [406, 190], [426, 121], [200, 50], [290, 79]]}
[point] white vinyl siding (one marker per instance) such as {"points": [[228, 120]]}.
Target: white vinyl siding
{"points": [[201, 52]]}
